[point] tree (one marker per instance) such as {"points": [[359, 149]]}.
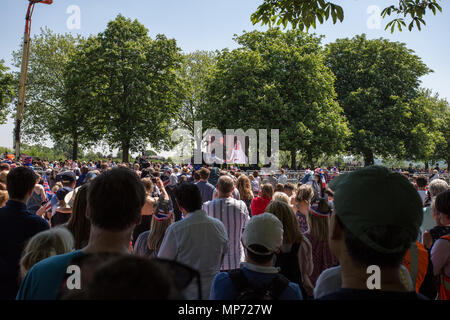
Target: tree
{"points": [[6, 91], [376, 81], [442, 150], [195, 73], [278, 80], [305, 14], [48, 113], [425, 117], [131, 83]]}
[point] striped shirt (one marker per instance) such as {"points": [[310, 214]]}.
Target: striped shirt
{"points": [[234, 215]]}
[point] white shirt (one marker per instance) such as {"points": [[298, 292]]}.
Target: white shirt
{"points": [[198, 241], [282, 179], [234, 215]]}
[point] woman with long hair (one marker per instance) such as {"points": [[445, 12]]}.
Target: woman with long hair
{"points": [[245, 191], [149, 242], [303, 198], [295, 256], [78, 224], [318, 219]]}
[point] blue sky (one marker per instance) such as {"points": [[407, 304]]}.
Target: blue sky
{"points": [[211, 24]]}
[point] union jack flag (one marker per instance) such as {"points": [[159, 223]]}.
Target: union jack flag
{"points": [[190, 166], [48, 192]]}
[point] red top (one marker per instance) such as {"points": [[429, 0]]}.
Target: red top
{"points": [[259, 205]]}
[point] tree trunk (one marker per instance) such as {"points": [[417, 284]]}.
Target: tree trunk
{"points": [[75, 149], [293, 159], [125, 151], [368, 158], [426, 165]]}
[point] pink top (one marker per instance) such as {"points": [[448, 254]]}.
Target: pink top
{"points": [[440, 257]]}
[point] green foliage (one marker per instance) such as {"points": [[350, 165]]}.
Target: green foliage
{"points": [[6, 91], [305, 14], [47, 113], [376, 82], [278, 80], [131, 83], [195, 74]]}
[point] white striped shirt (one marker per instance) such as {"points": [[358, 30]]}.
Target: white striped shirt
{"points": [[234, 215]]}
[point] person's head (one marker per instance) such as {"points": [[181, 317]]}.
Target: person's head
{"points": [[279, 188], [284, 213], [442, 204], [4, 167], [304, 194], [43, 245], [255, 173], [130, 277], [251, 177], [20, 183], [148, 185], [437, 186], [3, 175], [281, 196], [282, 171], [267, 191], [67, 178], [162, 219], [188, 197], [136, 166], [38, 178], [115, 199], [79, 224], [244, 187], [289, 189], [376, 218], [421, 182], [196, 176], [183, 179], [262, 238], [318, 219], [61, 196], [4, 197], [225, 186], [84, 170]]}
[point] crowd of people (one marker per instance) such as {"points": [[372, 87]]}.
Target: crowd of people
{"points": [[148, 230]]}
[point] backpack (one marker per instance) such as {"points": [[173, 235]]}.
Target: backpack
{"points": [[246, 291]]}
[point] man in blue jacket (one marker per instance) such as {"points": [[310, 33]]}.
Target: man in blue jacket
{"points": [[17, 226]]}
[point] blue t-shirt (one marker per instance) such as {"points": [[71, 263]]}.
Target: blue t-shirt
{"points": [[44, 279], [223, 289]]}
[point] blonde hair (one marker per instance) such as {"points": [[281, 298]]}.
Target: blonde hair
{"points": [[4, 196], [45, 244], [304, 193], [284, 213], [56, 187], [281, 196], [318, 226], [244, 187], [148, 185], [3, 175], [157, 232]]}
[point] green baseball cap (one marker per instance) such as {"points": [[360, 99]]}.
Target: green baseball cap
{"points": [[375, 196]]}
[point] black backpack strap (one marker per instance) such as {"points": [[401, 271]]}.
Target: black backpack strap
{"points": [[278, 285], [239, 280]]}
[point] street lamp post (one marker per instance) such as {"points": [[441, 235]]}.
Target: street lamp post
{"points": [[23, 73]]}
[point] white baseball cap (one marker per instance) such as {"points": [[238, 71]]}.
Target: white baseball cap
{"points": [[265, 230]]}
